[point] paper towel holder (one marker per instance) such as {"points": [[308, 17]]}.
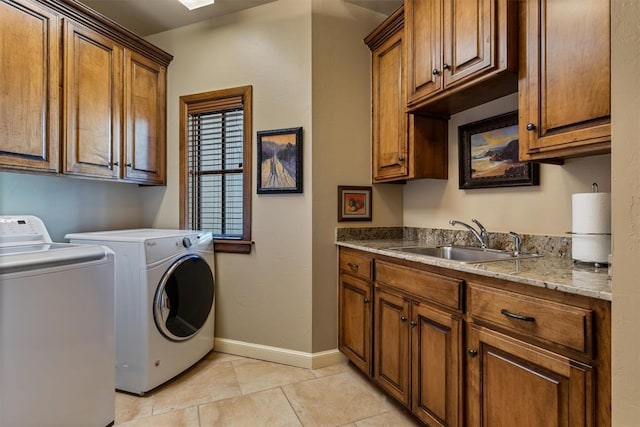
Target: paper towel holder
{"points": [[594, 189], [592, 243]]}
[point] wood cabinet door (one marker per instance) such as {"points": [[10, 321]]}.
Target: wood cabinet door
{"points": [[389, 133], [391, 344], [354, 320], [29, 86], [513, 383], [145, 111], [436, 342], [469, 38], [423, 37], [564, 93], [93, 100]]}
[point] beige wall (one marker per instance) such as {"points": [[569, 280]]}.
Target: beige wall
{"points": [[284, 293], [262, 298], [70, 204], [543, 209], [625, 160], [341, 135]]}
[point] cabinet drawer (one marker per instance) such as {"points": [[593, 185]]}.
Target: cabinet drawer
{"points": [[356, 263], [555, 322], [432, 287]]}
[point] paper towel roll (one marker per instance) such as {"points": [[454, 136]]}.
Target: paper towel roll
{"points": [[591, 213], [591, 248]]}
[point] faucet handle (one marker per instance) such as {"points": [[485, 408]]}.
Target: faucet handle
{"points": [[517, 239], [480, 226]]}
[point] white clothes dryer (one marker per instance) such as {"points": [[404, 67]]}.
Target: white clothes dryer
{"points": [[164, 302]]}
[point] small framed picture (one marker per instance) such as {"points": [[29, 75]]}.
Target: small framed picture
{"points": [[489, 154], [280, 161], [354, 203]]}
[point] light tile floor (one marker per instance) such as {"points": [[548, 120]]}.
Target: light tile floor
{"points": [[227, 390]]}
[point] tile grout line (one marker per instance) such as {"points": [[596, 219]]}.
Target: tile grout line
{"points": [[290, 405]]}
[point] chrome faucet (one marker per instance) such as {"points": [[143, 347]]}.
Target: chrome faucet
{"points": [[517, 240], [481, 234]]}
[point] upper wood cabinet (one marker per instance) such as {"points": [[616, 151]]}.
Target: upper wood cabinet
{"points": [[30, 86], [565, 79], [404, 146], [93, 100], [112, 124], [145, 117], [460, 53]]}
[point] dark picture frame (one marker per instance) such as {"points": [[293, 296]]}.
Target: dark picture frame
{"points": [[354, 203], [280, 161], [488, 155]]}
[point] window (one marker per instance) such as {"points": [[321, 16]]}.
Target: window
{"points": [[215, 166]]}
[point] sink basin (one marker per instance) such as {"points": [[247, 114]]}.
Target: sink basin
{"points": [[463, 254]]}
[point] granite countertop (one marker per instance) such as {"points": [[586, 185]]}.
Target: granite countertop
{"points": [[551, 272]]}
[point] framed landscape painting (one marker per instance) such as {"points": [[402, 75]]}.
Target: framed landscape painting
{"points": [[489, 155], [280, 161]]}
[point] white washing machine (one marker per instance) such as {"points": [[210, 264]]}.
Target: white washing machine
{"points": [[56, 329], [164, 302]]}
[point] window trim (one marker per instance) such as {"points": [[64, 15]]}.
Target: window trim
{"points": [[189, 102]]}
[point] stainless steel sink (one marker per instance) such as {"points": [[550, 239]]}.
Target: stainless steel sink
{"points": [[464, 254]]}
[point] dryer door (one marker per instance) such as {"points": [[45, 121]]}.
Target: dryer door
{"points": [[184, 298]]}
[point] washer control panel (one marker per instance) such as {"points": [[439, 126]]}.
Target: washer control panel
{"points": [[18, 229], [162, 248]]}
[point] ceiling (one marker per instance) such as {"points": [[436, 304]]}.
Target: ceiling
{"points": [[145, 17]]}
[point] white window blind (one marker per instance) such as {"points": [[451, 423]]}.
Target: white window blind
{"points": [[215, 143]]}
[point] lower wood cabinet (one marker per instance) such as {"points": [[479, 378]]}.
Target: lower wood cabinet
{"points": [[354, 310], [392, 357], [466, 350], [436, 363], [355, 301], [417, 343], [510, 382]]}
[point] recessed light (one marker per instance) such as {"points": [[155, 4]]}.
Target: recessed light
{"points": [[194, 4]]}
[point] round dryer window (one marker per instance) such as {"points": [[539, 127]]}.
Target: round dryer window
{"points": [[184, 298]]}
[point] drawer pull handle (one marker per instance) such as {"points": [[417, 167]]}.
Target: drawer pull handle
{"points": [[517, 316], [353, 266]]}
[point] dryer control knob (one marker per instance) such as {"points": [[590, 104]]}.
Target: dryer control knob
{"points": [[186, 242]]}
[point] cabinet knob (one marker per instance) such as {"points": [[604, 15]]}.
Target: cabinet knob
{"points": [[367, 301], [353, 266], [128, 165], [531, 126], [473, 352], [446, 67], [413, 324], [401, 159], [116, 163], [403, 319], [435, 72]]}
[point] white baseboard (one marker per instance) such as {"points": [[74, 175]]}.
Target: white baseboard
{"points": [[279, 355]]}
